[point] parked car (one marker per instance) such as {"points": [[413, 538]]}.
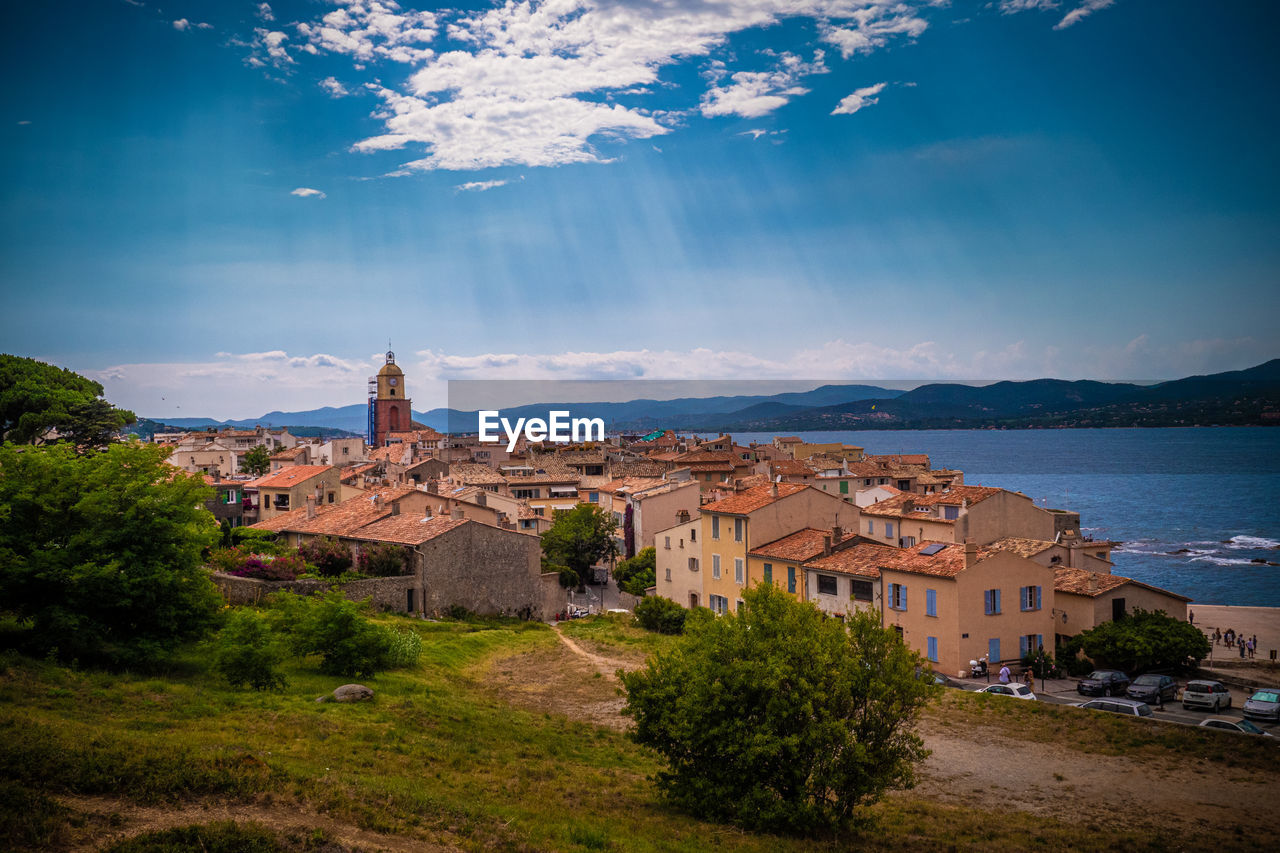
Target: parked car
{"points": [[1213, 695], [1153, 688], [1239, 726], [1264, 704], [1103, 682], [1018, 691], [1128, 707]]}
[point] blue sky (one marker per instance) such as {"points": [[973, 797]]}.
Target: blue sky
{"points": [[224, 208]]}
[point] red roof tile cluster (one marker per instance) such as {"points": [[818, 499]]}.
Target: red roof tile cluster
{"points": [[287, 478], [947, 562], [338, 519], [754, 498], [407, 528], [863, 560], [1021, 546], [901, 458], [804, 544], [955, 496]]}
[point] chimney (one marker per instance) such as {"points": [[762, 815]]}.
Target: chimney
{"points": [[216, 474], [426, 512], [456, 513], [1093, 583], [909, 505], [311, 506], [773, 489], [970, 553], [837, 533], [395, 508], [826, 544]]}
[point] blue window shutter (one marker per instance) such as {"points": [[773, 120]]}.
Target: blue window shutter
{"points": [[993, 649], [933, 649], [997, 601], [1039, 641], [1022, 646], [930, 602], [986, 601], [1022, 597], [904, 597], [1037, 598]]}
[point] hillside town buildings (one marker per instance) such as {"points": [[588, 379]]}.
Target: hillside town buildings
{"points": [[959, 570]]}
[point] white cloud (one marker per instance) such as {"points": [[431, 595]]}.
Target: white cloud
{"points": [[264, 12], [373, 29], [480, 186], [860, 98], [333, 87], [1084, 10], [182, 25], [307, 192], [1010, 7], [752, 94]]}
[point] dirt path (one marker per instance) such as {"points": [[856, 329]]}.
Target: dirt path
{"points": [[108, 820], [966, 767]]}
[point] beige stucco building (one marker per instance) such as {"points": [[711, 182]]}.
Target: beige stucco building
{"points": [[678, 563]]}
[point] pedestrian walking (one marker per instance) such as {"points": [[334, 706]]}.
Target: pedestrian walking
{"points": [[1254, 647], [1249, 642], [1242, 649], [1004, 674], [1191, 616], [1217, 636]]}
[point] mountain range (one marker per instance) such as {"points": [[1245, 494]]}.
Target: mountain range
{"points": [[1236, 397]]}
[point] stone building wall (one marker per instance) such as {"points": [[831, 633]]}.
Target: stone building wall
{"points": [[485, 569], [387, 593]]}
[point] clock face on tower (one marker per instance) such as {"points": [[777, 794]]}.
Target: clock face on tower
{"points": [[392, 380]]}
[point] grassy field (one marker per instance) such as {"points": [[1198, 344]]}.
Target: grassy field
{"points": [[437, 758]]}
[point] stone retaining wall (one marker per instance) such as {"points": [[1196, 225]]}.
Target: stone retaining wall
{"points": [[387, 593]]}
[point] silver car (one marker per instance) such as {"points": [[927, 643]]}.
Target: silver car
{"points": [[1128, 707], [1264, 704], [1243, 727]]}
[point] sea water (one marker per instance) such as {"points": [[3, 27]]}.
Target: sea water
{"points": [[1195, 508]]}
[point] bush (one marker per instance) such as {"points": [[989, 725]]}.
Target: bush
{"points": [[1143, 641], [779, 718], [383, 560], [347, 641], [638, 573], [240, 563], [330, 557], [663, 615], [406, 647], [257, 541], [247, 652]]}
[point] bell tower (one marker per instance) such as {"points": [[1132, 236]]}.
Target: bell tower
{"points": [[390, 409]]}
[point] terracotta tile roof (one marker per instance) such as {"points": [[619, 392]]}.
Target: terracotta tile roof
{"points": [[704, 456], [863, 559], [408, 528], [754, 498], [340, 519], [901, 458], [426, 434], [804, 544], [353, 471], [750, 481], [708, 466], [789, 439], [1021, 547], [955, 496], [291, 452], [1076, 582], [471, 474], [791, 468], [287, 478], [947, 562]]}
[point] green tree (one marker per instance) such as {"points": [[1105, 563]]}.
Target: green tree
{"points": [[100, 554], [638, 573], [383, 560], [779, 718], [36, 397], [330, 557], [655, 613], [337, 629], [1145, 640], [256, 462], [246, 652], [577, 540]]}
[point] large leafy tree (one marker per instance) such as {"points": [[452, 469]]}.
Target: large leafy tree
{"points": [[256, 462], [577, 540], [36, 397], [100, 553], [638, 573], [1145, 640], [780, 718]]}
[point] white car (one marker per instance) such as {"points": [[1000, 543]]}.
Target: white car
{"points": [[1017, 691]]}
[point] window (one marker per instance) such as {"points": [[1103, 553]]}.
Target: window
{"points": [[715, 527], [844, 487], [768, 572], [950, 513], [666, 542], [991, 602], [682, 544], [738, 525], [693, 535], [888, 529], [1030, 643], [739, 605], [993, 650], [668, 575], [718, 603], [828, 585], [715, 565], [791, 578], [525, 494], [693, 564], [904, 485], [345, 452], [933, 648], [331, 495], [908, 541], [861, 590], [739, 572], [594, 497], [1030, 597], [931, 604], [897, 596], [871, 526]]}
